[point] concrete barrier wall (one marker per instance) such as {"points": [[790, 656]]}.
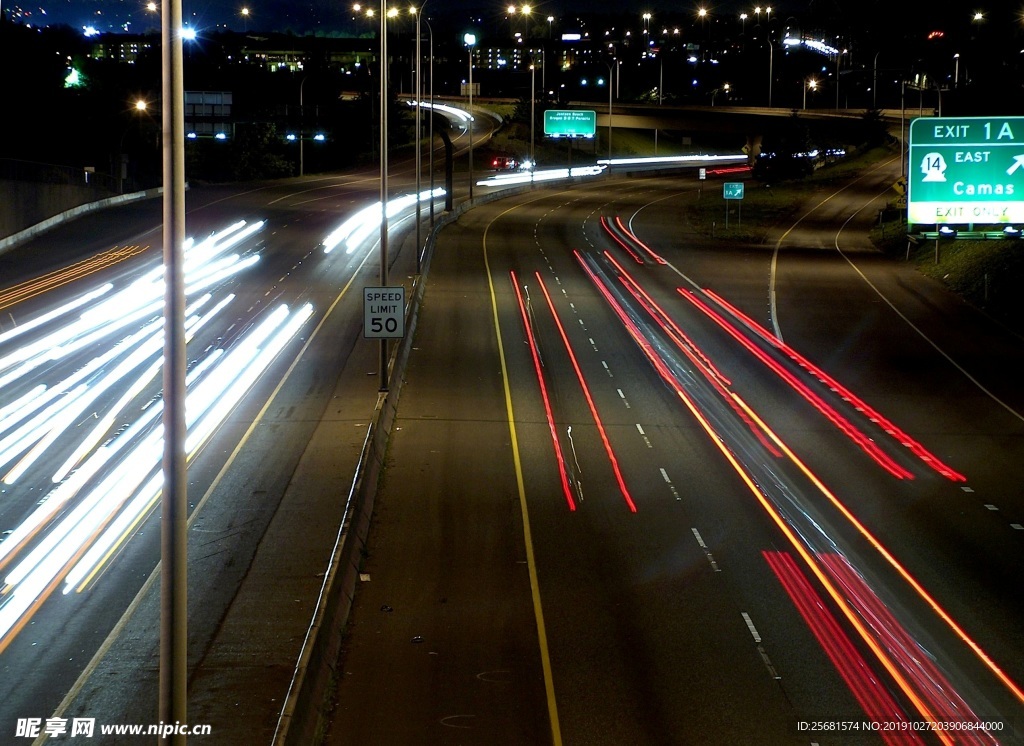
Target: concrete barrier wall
{"points": [[25, 203], [35, 229]]}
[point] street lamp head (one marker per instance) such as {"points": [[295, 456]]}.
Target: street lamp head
{"points": [[469, 39], [392, 12], [141, 105]]}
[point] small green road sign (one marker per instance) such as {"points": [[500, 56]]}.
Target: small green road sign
{"points": [[732, 190], [966, 170], [570, 123]]}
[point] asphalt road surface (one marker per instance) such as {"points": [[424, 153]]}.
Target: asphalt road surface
{"points": [[647, 487]]}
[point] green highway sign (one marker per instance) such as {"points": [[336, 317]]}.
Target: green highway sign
{"points": [[732, 190], [570, 123], [966, 170]]}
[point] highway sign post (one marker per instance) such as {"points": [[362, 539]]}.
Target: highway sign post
{"points": [[384, 312], [966, 170], [733, 190], [570, 123]]}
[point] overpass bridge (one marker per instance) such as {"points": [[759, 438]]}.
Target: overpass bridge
{"points": [[752, 123]]}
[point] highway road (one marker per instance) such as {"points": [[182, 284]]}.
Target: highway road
{"points": [[647, 487], [275, 348]]}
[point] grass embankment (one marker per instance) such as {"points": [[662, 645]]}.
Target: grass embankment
{"points": [[987, 274], [765, 206]]}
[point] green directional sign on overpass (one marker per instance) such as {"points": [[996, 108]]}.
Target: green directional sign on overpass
{"points": [[966, 170], [570, 123]]}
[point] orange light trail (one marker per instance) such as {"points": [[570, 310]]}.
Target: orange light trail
{"points": [[37, 285], [837, 597], [717, 380], [903, 572], [872, 695], [932, 684], [852, 617]]}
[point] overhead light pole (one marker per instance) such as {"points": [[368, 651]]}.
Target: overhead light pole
{"points": [[302, 121], [139, 106], [430, 125], [173, 678], [470, 41], [809, 83], [419, 132], [383, 183], [609, 65], [533, 117], [839, 56]]}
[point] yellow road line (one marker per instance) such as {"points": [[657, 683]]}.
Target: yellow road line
{"points": [[531, 563]]}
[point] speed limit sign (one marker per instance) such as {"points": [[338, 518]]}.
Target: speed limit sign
{"points": [[384, 312]]}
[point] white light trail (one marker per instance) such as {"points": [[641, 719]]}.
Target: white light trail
{"points": [[358, 228], [54, 314], [104, 489]]}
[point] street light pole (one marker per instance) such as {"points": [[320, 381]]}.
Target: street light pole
{"points": [[813, 85], [874, 83], [419, 133], [609, 65], [533, 118], [470, 40], [661, 83], [430, 127], [173, 678], [839, 56], [544, 70], [383, 183], [302, 121]]}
